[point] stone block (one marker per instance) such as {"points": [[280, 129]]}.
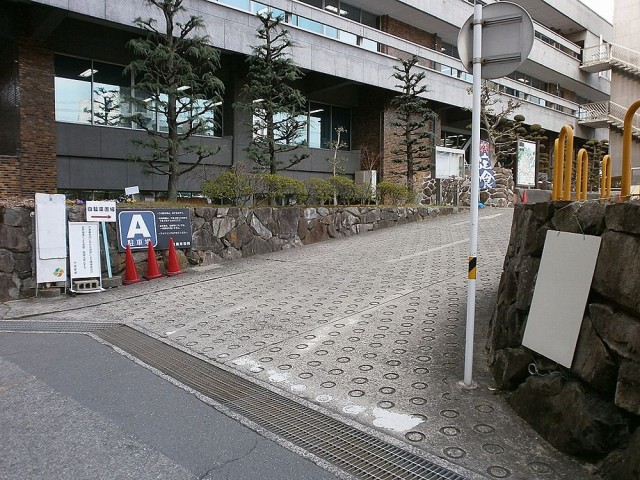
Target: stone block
{"points": [[7, 261], [17, 217], [573, 420], [628, 387], [256, 246], [510, 366], [222, 226], [623, 464], [206, 213], [592, 361], [303, 228], [623, 217], [259, 228], [14, 238], [619, 331], [287, 223], [618, 260], [8, 288], [526, 273]]}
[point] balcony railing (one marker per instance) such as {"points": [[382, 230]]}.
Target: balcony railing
{"points": [[608, 55], [604, 114]]}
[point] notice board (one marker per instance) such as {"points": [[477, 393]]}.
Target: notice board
{"points": [[137, 228]]}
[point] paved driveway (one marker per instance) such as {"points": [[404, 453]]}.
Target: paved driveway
{"points": [[369, 327]]}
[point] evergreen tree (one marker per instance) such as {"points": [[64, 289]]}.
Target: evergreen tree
{"points": [[413, 119], [175, 83], [279, 109]]}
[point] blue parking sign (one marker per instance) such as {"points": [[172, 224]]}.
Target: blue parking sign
{"points": [[136, 228]]}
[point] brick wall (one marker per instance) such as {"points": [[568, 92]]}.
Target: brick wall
{"points": [[367, 137], [37, 152], [9, 177]]}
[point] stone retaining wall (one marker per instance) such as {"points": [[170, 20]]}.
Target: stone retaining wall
{"points": [[218, 233], [593, 409]]}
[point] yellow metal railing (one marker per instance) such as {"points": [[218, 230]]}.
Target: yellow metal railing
{"points": [[582, 174], [605, 179], [626, 149], [563, 164]]}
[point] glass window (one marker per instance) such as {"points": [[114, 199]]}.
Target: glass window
{"points": [[350, 12], [73, 89], [347, 37], [310, 25], [319, 125], [313, 3], [369, 44], [341, 117], [369, 19], [111, 88], [242, 4]]}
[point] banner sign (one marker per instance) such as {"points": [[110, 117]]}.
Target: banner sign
{"points": [[487, 175], [156, 225], [84, 250], [101, 211]]}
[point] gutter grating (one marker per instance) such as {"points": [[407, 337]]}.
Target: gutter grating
{"points": [[355, 452], [54, 327]]}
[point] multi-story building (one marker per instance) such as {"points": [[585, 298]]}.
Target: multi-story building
{"points": [[57, 56], [619, 60]]}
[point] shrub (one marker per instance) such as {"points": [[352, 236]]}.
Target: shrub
{"points": [[392, 193], [344, 188], [231, 186], [281, 189], [319, 190]]}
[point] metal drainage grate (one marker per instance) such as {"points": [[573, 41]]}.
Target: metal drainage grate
{"points": [[54, 327], [357, 453]]}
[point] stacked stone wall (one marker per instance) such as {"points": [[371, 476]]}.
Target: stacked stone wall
{"points": [[591, 410], [218, 234]]}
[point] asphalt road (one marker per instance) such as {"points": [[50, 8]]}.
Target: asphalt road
{"points": [[73, 408]]}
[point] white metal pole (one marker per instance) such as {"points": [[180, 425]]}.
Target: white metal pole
{"points": [[475, 192]]}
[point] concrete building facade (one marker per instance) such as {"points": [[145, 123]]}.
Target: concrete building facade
{"points": [[60, 58]]}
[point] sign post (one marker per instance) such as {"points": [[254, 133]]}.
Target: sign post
{"points": [[494, 41], [103, 212]]}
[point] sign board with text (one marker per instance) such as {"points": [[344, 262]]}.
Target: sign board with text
{"points": [[84, 250], [156, 225], [104, 211]]}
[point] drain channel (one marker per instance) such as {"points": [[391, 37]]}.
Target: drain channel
{"points": [[357, 453]]}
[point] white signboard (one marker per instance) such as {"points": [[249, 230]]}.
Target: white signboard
{"points": [[101, 211], [449, 162], [526, 164], [51, 238], [132, 190], [560, 295], [84, 250]]}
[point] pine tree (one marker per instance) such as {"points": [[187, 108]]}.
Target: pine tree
{"points": [[279, 109], [413, 119], [175, 82]]}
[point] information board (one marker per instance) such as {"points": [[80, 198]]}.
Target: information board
{"points": [[449, 162], [137, 228], [101, 211], [84, 250], [526, 164]]}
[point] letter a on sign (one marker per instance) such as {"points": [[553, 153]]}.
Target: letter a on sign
{"points": [[136, 228]]}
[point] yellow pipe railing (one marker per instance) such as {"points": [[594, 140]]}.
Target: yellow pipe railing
{"points": [[605, 180], [557, 173], [582, 174], [626, 150], [563, 164]]}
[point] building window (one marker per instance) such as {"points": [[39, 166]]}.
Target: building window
{"points": [[97, 93], [323, 122]]}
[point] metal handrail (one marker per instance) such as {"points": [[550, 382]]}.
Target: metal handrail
{"points": [[610, 52]]}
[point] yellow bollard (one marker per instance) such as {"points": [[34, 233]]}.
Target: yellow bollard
{"points": [[626, 150], [582, 174], [605, 180], [557, 172]]}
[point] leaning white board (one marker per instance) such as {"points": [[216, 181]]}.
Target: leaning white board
{"points": [[51, 238], [560, 295]]}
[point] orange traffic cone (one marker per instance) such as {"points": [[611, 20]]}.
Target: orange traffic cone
{"points": [[173, 267], [152, 264], [524, 197], [130, 272]]}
